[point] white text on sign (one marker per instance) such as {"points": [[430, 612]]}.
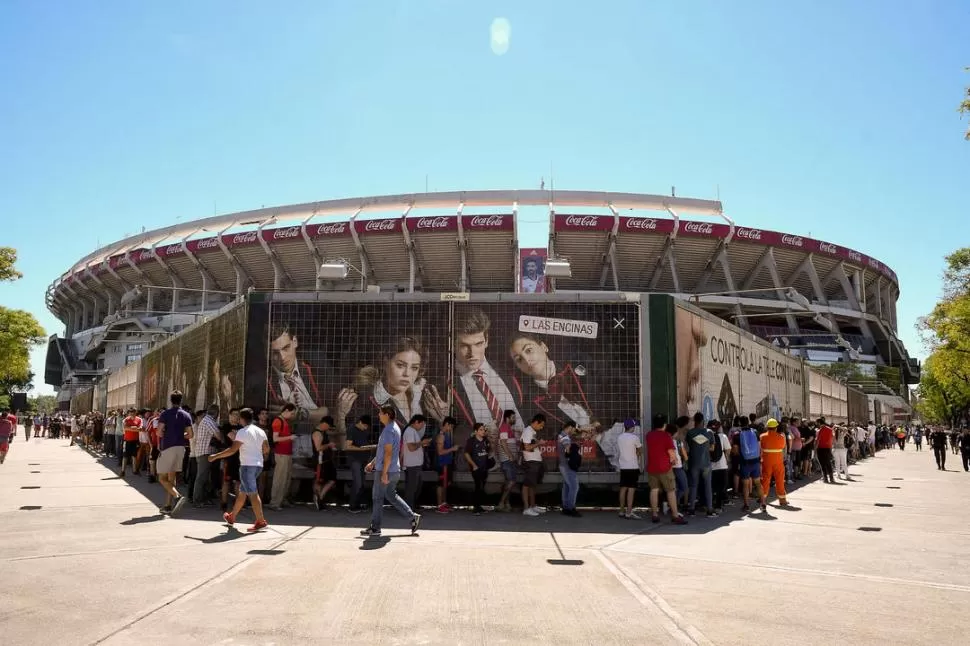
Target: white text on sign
{"points": [[558, 327]]}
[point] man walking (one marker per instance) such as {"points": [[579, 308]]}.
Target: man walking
{"points": [[386, 467], [964, 448], [413, 456], [253, 447], [7, 428], [174, 428], [938, 439]]}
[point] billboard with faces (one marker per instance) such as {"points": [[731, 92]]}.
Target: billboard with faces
{"points": [[572, 362]]}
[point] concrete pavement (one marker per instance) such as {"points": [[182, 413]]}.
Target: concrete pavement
{"points": [[88, 560]]}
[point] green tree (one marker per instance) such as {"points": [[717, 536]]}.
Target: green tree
{"points": [[43, 403], [19, 330], [965, 108]]}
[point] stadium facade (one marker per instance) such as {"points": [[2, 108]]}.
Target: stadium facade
{"points": [[810, 299]]}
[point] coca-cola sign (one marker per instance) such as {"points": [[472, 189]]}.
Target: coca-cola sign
{"points": [[173, 249], [582, 221], [486, 221], [146, 254], [826, 247], [854, 256], [372, 226], [699, 228], [643, 224], [875, 264], [207, 243], [244, 238], [332, 229], [748, 234], [286, 234], [792, 241], [431, 223]]}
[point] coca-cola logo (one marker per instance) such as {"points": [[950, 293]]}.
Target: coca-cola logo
{"points": [[332, 229], [582, 221], [146, 254], [480, 221], [207, 243], [432, 223], [792, 241], [705, 228], [646, 224], [827, 247], [855, 256], [874, 263], [244, 238], [379, 225], [284, 234], [749, 234], [173, 249]]}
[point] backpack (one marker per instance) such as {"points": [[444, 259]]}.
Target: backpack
{"points": [[849, 440], [718, 449], [750, 446], [574, 458]]}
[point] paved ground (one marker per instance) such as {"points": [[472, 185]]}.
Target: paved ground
{"points": [[884, 559]]}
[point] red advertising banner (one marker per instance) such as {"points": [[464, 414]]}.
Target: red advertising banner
{"points": [[382, 225], [203, 245], [487, 222], [532, 271], [329, 230], [434, 224], [646, 225], [282, 234], [564, 222]]}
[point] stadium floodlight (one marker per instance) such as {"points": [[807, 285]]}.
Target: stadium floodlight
{"points": [[336, 270], [558, 268]]}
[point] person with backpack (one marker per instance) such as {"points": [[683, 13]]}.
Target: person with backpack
{"points": [[719, 466], [700, 446], [570, 459], [746, 445], [772, 445]]}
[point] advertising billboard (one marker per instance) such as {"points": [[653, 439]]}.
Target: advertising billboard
{"points": [[532, 271], [570, 361], [723, 372]]}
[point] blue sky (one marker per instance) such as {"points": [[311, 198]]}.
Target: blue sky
{"points": [[836, 119]]}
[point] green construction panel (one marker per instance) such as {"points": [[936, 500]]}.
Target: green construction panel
{"points": [[663, 356]]}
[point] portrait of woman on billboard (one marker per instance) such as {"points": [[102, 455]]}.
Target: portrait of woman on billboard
{"points": [[397, 379]]}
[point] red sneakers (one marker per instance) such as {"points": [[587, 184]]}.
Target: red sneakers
{"points": [[229, 518], [260, 524]]}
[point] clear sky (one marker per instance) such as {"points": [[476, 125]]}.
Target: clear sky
{"points": [[833, 118]]}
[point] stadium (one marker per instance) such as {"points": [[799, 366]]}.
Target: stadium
{"points": [[636, 304]]}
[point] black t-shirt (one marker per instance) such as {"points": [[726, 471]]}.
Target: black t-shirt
{"points": [[478, 450], [359, 438], [965, 441], [326, 455], [808, 435], [939, 440]]}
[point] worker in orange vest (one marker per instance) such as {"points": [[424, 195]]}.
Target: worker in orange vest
{"points": [[773, 463]]}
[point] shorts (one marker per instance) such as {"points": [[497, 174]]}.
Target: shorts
{"points": [[510, 470], [751, 468], [531, 475], [4, 446], [131, 448], [446, 475], [247, 479], [629, 477], [665, 481], [170, 460], [326, 472], [155, 453], [805, 455]]}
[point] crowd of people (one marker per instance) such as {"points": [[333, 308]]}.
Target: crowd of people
{"points": [[692, 464]]}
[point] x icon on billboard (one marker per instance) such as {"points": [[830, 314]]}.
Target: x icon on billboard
{"points": [[618, 323]]}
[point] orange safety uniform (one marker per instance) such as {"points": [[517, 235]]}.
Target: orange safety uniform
{"points": [[773, 463]]}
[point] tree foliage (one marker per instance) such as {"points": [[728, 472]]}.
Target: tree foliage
{"points": [[19, 330], [965, 108], [945, 383]]}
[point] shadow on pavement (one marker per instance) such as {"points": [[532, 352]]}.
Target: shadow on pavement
{"points": [[143, 519], [229, 535]]}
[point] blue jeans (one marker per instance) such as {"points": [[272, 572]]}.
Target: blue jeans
{"points": [[570, 487], [697, 475], [387, 492], [680, 476]]}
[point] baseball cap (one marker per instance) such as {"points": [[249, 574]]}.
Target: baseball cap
{"points": [[629, 423]]}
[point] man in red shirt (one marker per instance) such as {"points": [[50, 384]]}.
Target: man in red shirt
{"points": [[660, 469], [824, 443], [132, 427], [8, 426], [283, 449]]}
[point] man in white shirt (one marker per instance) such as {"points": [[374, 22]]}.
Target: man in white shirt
{"points": [[481, 394], [532, 464], [629, 449], [719, 468], [413, 459], [253, 447]]}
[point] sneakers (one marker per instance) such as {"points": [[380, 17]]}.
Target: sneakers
{"points": [[355, 510], [679, 520], [654, 518], [370, 531], [712, 514], [167, 509], [179, 504], [316, 503], [258, 525], [415, 523], [229, 518], [443, 509], [530, 512], [541, 510], [633, 516]]}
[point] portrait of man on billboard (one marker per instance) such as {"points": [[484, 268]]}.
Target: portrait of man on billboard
{"points": [[533, 274], [481, 394], [291, 379]]}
